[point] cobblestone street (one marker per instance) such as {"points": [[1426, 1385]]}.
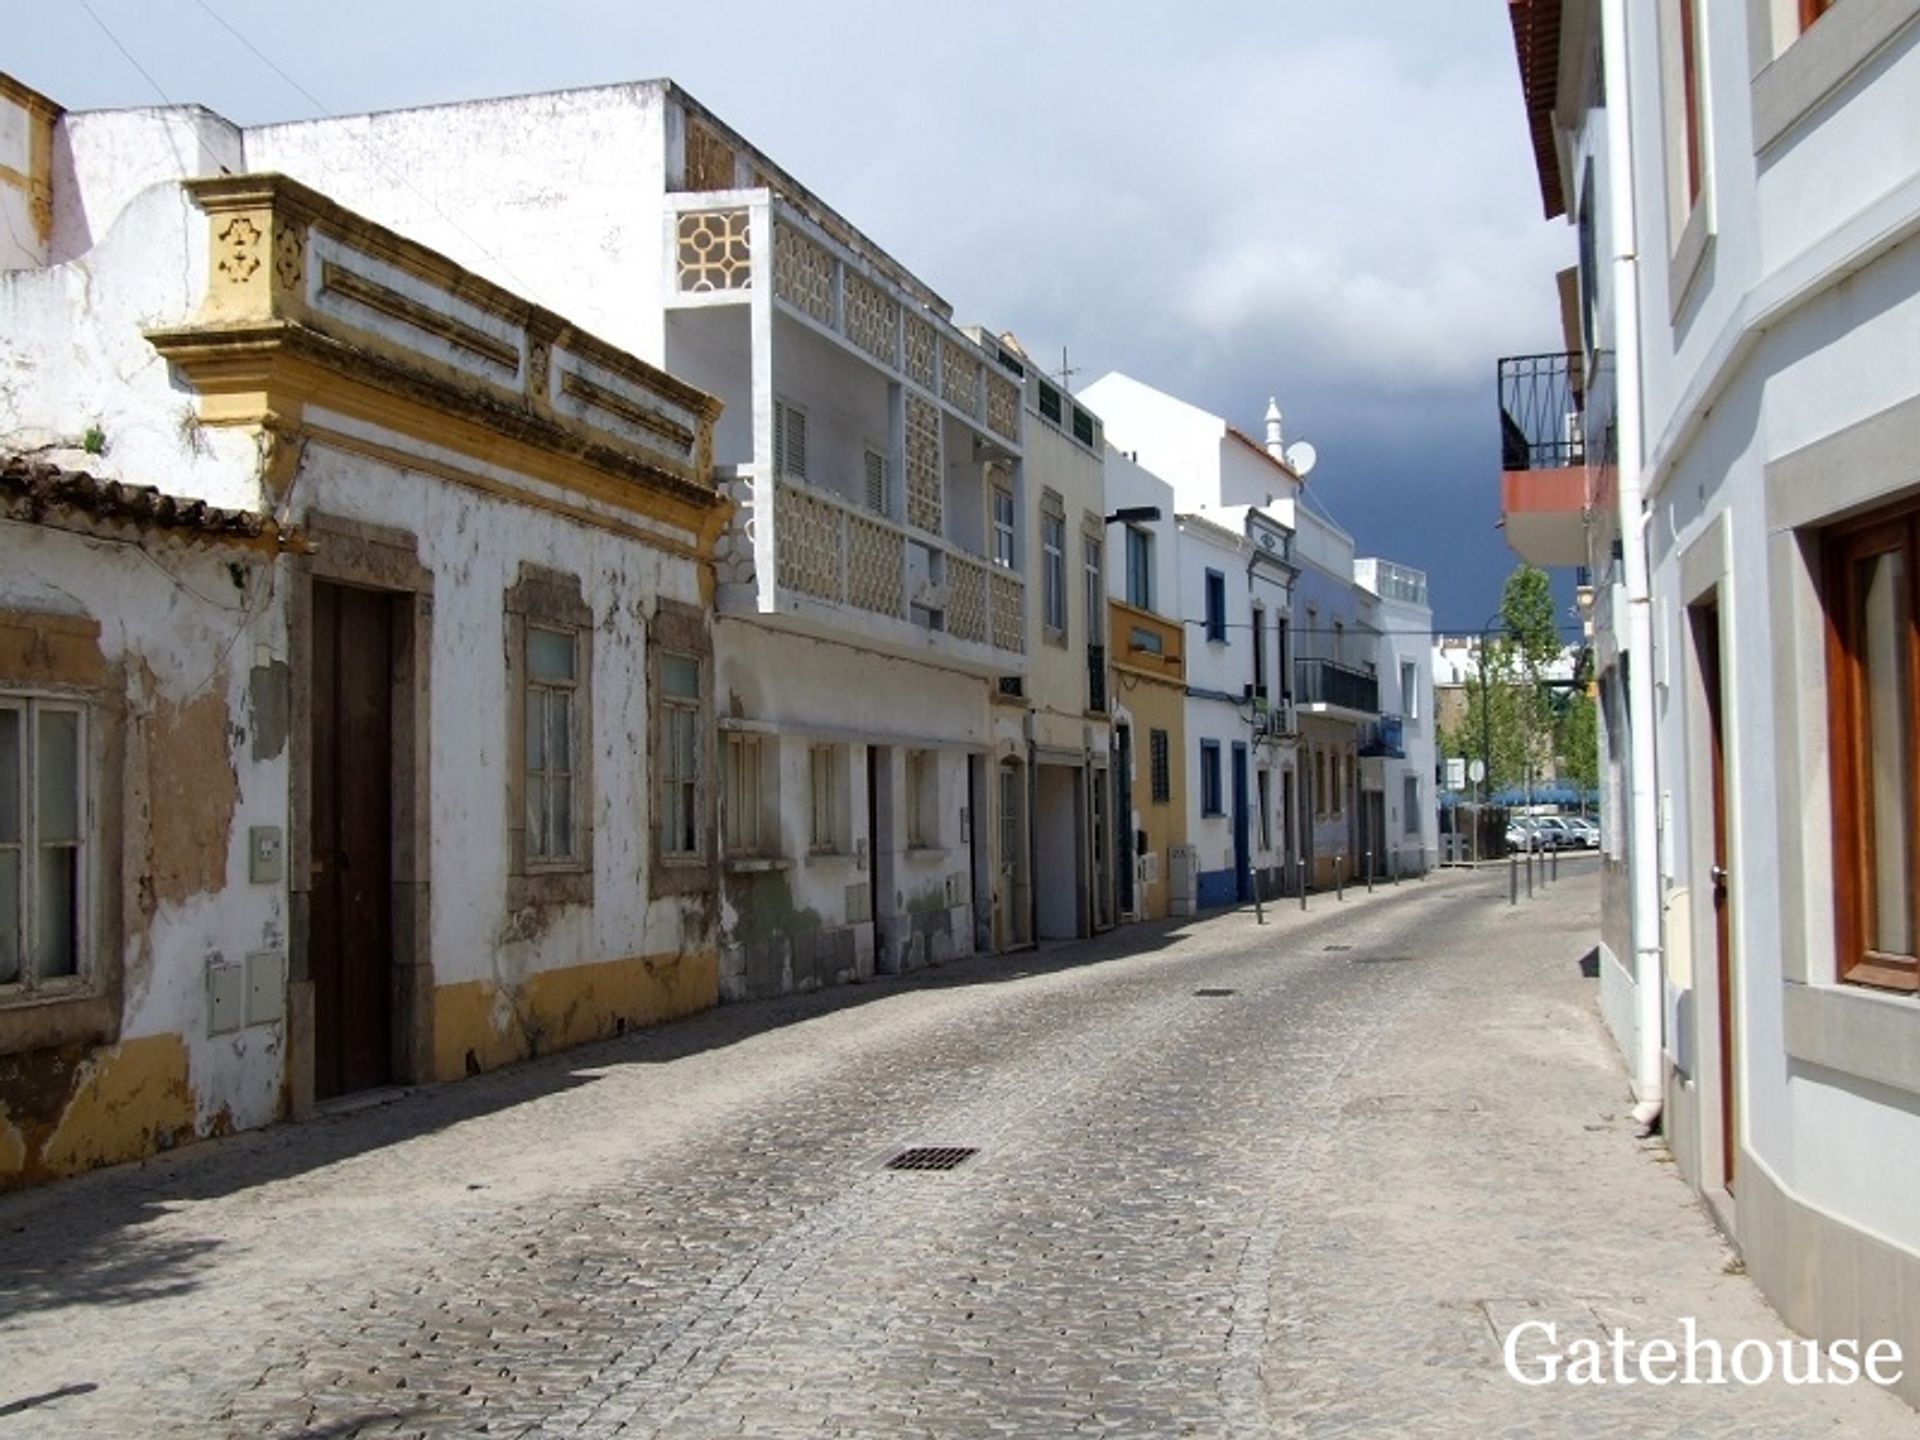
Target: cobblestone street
{"points": [[1230, 1180]]}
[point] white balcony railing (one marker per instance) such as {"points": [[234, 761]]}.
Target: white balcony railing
{"points": [[827, 550], [717, 256]]}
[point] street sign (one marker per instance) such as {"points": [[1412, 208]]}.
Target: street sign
{"points": [[1477, 771], [1456, 773]]}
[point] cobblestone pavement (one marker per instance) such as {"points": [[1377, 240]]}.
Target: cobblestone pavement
{"points": [[1230, 1181]]}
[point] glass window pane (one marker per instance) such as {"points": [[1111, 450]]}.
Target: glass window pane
{"points": [[11, 757], [1884, 625], [549, 654], [560, 732], [56, 913], [58, 793], [9, 917], [683, 744], [560, 833], [537, 818], [536, 735], [680, 676]]}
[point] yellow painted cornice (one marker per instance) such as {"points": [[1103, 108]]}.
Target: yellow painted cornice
{"points": [[261, 353]]}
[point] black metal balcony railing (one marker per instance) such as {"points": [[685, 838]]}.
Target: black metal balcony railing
{"points": [[1322, 682], [1097, 679], [1542, 413]]}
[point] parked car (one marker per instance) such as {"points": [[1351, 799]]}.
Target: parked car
{"points": [[1554, 833], [1538, 833], [1586, 834]]}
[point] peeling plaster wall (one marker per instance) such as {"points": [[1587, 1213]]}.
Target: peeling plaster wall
{"points": [[801, 688], [513, 1003], [73, 358], [177, 642]]}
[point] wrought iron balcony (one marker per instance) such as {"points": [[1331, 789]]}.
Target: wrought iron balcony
{"points": [[1544, 481], [1325, 685], [1097, 679]]}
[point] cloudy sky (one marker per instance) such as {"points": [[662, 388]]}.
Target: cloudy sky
{"points": [[1334, 204]]}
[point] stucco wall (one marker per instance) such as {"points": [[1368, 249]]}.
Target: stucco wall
{"points": [[183, 765]]}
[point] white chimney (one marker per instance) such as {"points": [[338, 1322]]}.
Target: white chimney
{"points": [[1276, 444]]}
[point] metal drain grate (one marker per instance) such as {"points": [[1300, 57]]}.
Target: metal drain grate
{"points": [[933, 1157], [1214, 992], [1381, 959], [1339, 947]]}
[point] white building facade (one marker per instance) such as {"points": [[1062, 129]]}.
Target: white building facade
{"points": [[863, 624], [394, 754], [1745, 186]]}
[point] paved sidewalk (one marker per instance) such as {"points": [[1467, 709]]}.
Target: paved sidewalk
{"points": [[1231, 1180]]}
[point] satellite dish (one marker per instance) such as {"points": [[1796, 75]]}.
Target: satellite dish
{"points": [[1301, 457]]}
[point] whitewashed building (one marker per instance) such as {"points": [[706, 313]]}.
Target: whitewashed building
{"points": [[864, 626], [1327, 659], [1052, 733], [1741, 476], [375, 598], [1403, 749]]}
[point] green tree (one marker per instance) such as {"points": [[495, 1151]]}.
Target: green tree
{"points": [[1576, 743], [1520, 722]]}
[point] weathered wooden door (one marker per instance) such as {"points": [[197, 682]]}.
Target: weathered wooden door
{"points": [[349, 931], [1706, 626]]}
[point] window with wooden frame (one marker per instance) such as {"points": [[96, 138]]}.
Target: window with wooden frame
{"points": [[1873, 690], [1690, 97], [823, 797], [923, 800], [678, 755], [549, 629], [1812, 10], [1210, 789], [44, 850], [744, 814], [1053, 566], [1003, 527]]}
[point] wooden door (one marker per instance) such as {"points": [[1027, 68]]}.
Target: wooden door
{"points": [[1706, 630], [349, 929]]}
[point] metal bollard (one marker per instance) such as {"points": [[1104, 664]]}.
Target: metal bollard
{"points": [[1339, 876], [1556, 864], [1529, 872], [1513, 878], [1303, 882], [1369, 872]]}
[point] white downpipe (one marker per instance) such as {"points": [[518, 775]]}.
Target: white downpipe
{"points": [[1643, 840]]}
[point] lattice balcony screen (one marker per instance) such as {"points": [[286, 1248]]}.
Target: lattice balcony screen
{"points": [[716, 252], [802, 274], [1009, 623], [1003, 407], [921, 341], [959, 378], [876, 554], [967, 599], [808, 542], [873, 318], [924, 509]]}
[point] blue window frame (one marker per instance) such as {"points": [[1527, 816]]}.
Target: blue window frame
{"points": [[1216, 607], [1210, 778]]}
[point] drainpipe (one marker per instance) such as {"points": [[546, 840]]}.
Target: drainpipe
{"points": [[1643, 841]]}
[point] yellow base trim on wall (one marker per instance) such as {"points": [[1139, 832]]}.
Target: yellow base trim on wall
{"points": [[118, 1103], [481, 1025]]}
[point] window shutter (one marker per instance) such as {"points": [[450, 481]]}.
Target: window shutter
{"points": [[789, 440]]}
